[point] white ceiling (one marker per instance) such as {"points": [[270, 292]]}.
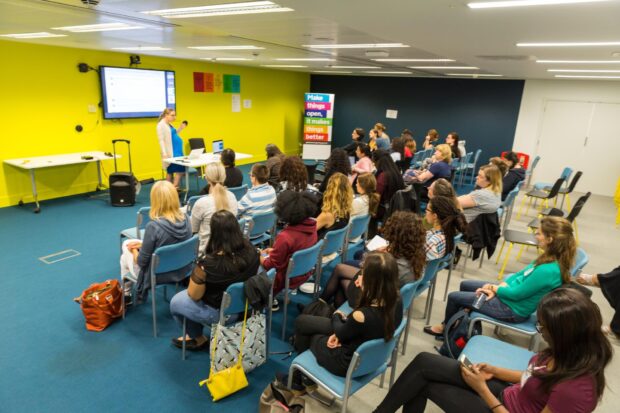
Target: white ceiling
{"points": [[432, 29]]}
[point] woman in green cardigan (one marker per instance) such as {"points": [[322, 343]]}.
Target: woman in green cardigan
{"points": [[515, 299]]}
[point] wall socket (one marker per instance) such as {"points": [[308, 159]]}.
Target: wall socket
{"points": [[92, 108]]}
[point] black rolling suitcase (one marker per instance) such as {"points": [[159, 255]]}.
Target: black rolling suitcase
{"points": [[122, 184]]}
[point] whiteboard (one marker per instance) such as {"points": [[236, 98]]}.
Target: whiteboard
{"points": [[316, 151]]}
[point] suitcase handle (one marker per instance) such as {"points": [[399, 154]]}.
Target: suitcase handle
{"points": [[128, 152], [120, 140]]}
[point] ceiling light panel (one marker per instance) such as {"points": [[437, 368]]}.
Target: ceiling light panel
{"points": [[331, 71], [285, 66], [526, 3], [247, 47], [378, 72], [304, 59], [103, 27], [38, 35], [473, 74], [414, 60], [579, 61], [444, 67], [143, 49], [355, 67], [570, 44], [582, 71], [252, 7], [227, 59], [586, 77], [354, 46]]}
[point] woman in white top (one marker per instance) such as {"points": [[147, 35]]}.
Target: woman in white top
{"points": [[367, 202], [219, 198], [488, 198], [169, 140]]}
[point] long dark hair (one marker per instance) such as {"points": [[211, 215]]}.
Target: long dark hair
{"points": [[385, 164], [368, 183], [577, 345], [226, 239], [294, 173], [450, 218], [398, 145], [406, 236], [338, 161], [380, 288]]}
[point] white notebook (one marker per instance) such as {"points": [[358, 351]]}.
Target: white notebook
{"points": [[376, 243]]}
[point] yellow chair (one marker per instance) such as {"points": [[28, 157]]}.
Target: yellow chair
{"points": [[542, 195]]}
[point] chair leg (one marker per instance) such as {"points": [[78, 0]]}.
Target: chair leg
{"points": [[285, 309], [500, 252], [481, 259], [184, 333], [154, 311], [431, 296], [501, 272], [521, 206], [576, 232], [445, 294], [567, 201], [520, 252], [394, 360], [464, 258], [406, 332], [382, 379]]}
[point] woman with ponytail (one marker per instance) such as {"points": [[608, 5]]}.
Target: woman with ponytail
{"points": [[447, 222], [367, 201], [219, 198], [515, 299]]}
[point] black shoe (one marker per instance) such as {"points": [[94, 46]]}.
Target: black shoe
{"points": [[128, 300], [428, 330], [300, 308], [457, 255], [191, 344], [301, 384]]}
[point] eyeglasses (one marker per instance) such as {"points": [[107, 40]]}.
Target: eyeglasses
{"points": [[539, 327]]}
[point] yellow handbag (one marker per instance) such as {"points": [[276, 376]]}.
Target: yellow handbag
{"points": [[228, 381]]}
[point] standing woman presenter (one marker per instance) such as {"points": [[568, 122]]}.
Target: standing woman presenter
{"points": [[170, 145]]}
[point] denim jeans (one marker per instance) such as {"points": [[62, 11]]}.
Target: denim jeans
{"points": [[492, 308], [197, 313]]}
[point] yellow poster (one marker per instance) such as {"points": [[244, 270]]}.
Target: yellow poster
{"points": [[218, 83]]}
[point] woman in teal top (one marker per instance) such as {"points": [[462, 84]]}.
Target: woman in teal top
{"points": [[516, 299], [177, 150]]}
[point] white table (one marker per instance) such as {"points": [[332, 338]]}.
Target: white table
{"points": [[38, 162], [205, 158]]}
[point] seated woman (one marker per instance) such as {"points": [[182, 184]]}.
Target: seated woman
{"points": [[228, 258], [453, 141], [294, 176], [439, 168], [389, 179], [296, 210], [357, 137], [377, 314], [443, 187], [400, 154], [364, 163], [338, 161], [168, 226], [515, 299], [447, 221], [373, 135], [382, 138], [275, 157], [487, 198], [234, 176], [609, 284], [405, 236], [432, 136], [367, 201], [219, 198], [336, 209], [566, 377], [515, 174], [410, 143]]}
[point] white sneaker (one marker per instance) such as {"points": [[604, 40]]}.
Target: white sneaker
{"points": [[275, 306]]}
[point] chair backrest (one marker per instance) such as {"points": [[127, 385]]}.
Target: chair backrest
{"points": [[476, 157], [573, 183], [533, 165], [465, 160], [190, 203], [555, 188], [262, 222], [334, 241], [578, 206], [433, 267], [407, 292], [175, 256], [566, 173], [239, 191], [417, 157], [196, 143], [508, 205], [429, 152], [303, 261], [233, 300], [142, 219], [358, 226], [374, 354], [581, 261]]}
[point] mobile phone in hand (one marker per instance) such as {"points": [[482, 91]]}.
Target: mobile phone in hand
{"points": [[464, 361]]}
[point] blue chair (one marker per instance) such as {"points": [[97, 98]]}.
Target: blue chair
{"points": [[233, 302], [483, 349], [472, 166], [530, 171], [566, 174], [300, 263], [137, 232], [369, 360], [461, 170], [333, 246], [416, 162], [457, 239], [428, 281], [171, 258], [262, 227], [528, 327], [580, 262], [239, 191], [191, 202], [356, 238]]}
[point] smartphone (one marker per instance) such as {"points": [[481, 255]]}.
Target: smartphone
{"points": [[466, 362]]}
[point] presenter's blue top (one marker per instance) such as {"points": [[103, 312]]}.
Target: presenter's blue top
{"points": [[177, 142]]}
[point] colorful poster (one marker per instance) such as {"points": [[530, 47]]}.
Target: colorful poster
{"points": [[209, 83], [218, 82], [318, 117], [199, 82], [232, 84]]}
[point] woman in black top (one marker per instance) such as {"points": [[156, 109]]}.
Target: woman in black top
{"points": [[377, 314], [357, 137], [338, 161], [389, 179], [228, 258]]}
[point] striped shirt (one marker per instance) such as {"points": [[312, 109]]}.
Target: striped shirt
{"points": [[258, 199], [435, 245]]}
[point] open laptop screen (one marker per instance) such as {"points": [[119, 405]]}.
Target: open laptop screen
{"points": [[218, 146]]}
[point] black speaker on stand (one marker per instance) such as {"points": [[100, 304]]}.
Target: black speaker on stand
{"points": [[122, 184]]}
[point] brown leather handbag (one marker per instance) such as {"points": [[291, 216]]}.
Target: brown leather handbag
{"points": [[101, 303]]}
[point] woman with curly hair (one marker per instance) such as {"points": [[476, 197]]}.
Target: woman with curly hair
{"points": [[405, 234], [337, 203], [338, 161]]}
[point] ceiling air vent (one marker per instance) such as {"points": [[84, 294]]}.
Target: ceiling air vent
{"points": [[509, 57]]}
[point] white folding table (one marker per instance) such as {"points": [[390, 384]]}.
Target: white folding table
{"points": [[204, 159], [38, 162]]}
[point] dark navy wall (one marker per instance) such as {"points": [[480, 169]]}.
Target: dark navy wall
{"points": [[484, 112]]}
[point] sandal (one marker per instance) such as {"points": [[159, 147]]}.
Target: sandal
{"points": [[587, 279]]}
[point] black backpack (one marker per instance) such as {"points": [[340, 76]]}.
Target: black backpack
{"points": [[455, 334]]}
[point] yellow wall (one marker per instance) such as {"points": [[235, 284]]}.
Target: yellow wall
{"points": [[45, 97]]}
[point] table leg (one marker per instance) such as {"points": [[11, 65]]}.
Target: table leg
{"points": [[100, 185], [34, 192], [186, 184]]}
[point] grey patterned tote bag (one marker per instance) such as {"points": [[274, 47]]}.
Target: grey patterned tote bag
{"points": [[227, 346]]}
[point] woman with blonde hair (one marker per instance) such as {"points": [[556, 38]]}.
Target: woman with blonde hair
{"points": [[337, 205], [170, 144], [367, 201], [439, 168], [168, 226], [487, 198], [219, 198]]}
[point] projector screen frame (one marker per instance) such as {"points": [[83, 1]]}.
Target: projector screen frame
{"points": [[135, 115]]}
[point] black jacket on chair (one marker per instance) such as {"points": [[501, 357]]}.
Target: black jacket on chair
{"points": [[403, 200], [257, 291], [483, 233]]}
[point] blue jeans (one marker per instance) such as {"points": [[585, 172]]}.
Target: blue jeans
{"points": [[492, 308], [197, 313]]}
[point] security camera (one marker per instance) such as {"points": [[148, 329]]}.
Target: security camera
{"points": [[255, 54]]}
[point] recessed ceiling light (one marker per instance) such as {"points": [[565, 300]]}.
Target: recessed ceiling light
{"points": [[226, 59], [142, 48], [38, 35], [248, 47], [354, 67], [330, 71], [524, 3], [103, 27], [587, 77], [582, 71], [251, 7], [579, 61], [285, 66], [413, 60], [473, 74], [305, 59], [354, 46], [569, 44], [377, 72], [444, 67]]}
